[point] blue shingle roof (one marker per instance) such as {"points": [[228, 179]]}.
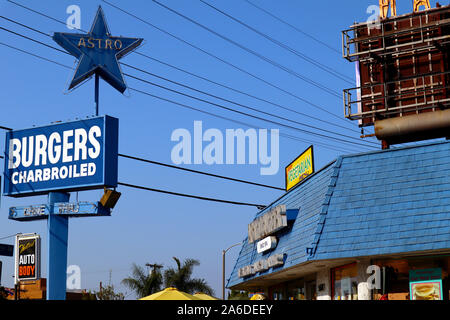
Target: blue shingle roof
{"points": [[389, 201], [375, 203]]}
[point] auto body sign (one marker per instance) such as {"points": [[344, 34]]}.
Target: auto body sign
{"points": [[69, 156], [27, 257]]}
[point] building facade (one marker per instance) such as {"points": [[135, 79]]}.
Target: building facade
{"points": [[367, 226]]}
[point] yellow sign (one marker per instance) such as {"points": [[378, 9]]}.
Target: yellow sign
{"points": [[300, 168]]}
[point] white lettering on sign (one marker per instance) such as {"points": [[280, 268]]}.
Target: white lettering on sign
{"points": [[80, 144], [68, 208], [38, 148], [261, 265], [54, 173], [26, 259], [266, 244], [267, 224], [34, 211]]}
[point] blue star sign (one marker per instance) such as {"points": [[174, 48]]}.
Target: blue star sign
{"points": [[97, 52]]}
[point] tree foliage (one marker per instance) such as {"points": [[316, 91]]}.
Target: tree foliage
{"points": [[180, 278], [108, 293], [143, 283]]}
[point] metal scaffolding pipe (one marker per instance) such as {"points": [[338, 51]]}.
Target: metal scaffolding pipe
{"points": [[422, 126]]}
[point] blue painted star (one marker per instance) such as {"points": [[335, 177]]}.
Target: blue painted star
{"points": [[97, 52]]}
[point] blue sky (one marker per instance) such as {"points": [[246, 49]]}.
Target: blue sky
{"points": [[152, 227]]}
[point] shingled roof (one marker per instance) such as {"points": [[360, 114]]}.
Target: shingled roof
{"points": [[375, 203]]}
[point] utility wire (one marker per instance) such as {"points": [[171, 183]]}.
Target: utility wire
{"points": [[227, 100], [259, 206], [154, 59], [199, 49], [260, 56], [294, 27], [242, 92], [299, 54], [328, 146], [199, 172], [215, 104], [325, 145], [228, 63], [250, 115], [35, 55], [13, 235], [233, 102]]}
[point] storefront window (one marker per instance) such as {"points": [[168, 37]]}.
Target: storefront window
{"points": [[345, 285], [296, 290], [401, 278]]}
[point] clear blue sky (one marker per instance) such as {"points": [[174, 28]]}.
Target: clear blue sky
{"points": [[152, 227]]}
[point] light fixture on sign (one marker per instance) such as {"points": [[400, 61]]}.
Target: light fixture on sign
{"points": [[110, 198]]}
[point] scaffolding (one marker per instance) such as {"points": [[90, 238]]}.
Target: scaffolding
{"points": [[403, 65]]}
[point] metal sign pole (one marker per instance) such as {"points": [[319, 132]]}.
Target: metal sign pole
{"points": [[57, 235], [96, 93]]}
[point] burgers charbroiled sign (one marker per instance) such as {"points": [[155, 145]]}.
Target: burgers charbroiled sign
{"points": [[27, 257]]}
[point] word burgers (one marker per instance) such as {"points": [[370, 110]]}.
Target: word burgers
{"points": [[39, 150]]}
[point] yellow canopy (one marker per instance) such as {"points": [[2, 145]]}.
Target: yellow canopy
{"points": [[204, 296], [257, 296], [170, 294]]}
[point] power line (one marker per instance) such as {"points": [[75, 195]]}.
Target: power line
{"points": [[13, 235], [227, 63], [199, 172], [226, 100], [48, 35], [299, 54], [35, 55], [242, 92], [325, 145], [252, 115], [294, 27], [209, 102], [328, 146], [2, 127], [262, 57], [259, 206], [201, 50]]}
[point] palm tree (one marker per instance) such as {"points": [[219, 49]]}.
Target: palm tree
{"points": [[180, 278], [142, 283]]}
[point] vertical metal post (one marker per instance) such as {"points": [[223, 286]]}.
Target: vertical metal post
{"points": [[57, 237], [223, 274], [96, 93], [223, 267]]}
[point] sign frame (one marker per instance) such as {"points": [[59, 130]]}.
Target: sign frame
{"points": [[432, 282], [37, 256], [430, 276], [108, 142], [311, 147]]}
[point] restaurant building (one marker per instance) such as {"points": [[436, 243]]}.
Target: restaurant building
{"points": [[372, 225]]}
